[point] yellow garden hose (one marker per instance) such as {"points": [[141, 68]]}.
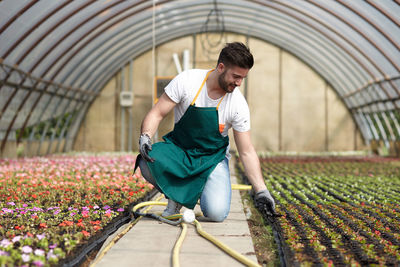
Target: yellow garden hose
{"points": [[224, 247], [149, 203], [241, 187], [178, 244], [177, 247]]}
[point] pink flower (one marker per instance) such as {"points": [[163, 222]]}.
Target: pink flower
{"points": [[38, 263], [5, 210], [40, 237], [4, 253]]}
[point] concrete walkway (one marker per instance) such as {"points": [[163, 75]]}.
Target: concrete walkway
{"points": [[150, 242]]}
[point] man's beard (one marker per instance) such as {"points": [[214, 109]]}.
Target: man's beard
{"points": [[223, 84]]}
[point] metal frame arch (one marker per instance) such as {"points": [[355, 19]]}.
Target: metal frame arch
{"points": [[290, 7], [37, 100], [260, 37], [67, 106], [331, 29], [370, 22], [357, 30], [19, 61], [369, 40]]}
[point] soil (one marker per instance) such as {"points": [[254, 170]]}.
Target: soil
{"points": [[90, 258], [262, 236]]}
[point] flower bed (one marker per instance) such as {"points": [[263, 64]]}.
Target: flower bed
{"points": [[50, 206], [340, 211]]}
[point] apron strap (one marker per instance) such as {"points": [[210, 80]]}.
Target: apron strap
{"points": [[202, 84], [220, 101], [201, 87]]}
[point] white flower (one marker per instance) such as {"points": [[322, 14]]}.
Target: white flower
{"points": [[5, 243], [16, 238], [51, 254], [27, 249], [39, 252], [25, 257]]}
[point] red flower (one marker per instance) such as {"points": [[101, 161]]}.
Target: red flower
{"points": [[42, 225], [85, 233], [34, 195], [66, 223]]}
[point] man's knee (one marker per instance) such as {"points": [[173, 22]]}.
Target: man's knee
{"points": [[144, 169], [216, 214]]}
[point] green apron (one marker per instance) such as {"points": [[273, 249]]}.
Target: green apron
{"points": [[189, 154]]}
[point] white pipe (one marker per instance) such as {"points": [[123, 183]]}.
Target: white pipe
{"points": [[186, 59], [177, 63]]}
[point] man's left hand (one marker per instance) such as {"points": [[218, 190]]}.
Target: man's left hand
{"points": [[265, 202]]}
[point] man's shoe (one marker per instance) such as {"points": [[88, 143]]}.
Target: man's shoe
{"points": [[172, 208]]}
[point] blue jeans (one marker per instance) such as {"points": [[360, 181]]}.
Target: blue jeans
{"points": [[215, 200]]}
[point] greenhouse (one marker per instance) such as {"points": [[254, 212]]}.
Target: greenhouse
{"points": [[87, 86]]}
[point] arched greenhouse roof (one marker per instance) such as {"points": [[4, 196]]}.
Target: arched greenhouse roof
{"points": [[56, 56]]}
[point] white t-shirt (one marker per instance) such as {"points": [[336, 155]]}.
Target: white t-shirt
{"points": [[232, 112]]}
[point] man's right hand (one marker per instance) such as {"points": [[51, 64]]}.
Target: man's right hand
{"points": [[145, 146]]}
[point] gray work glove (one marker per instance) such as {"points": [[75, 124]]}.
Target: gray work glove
{"points": [[145, 146], [265, 203]]}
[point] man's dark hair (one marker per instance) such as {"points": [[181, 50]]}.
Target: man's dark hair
{"points": [[236, 54]]}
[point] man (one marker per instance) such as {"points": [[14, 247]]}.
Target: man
{"points": [[192, 162]]}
